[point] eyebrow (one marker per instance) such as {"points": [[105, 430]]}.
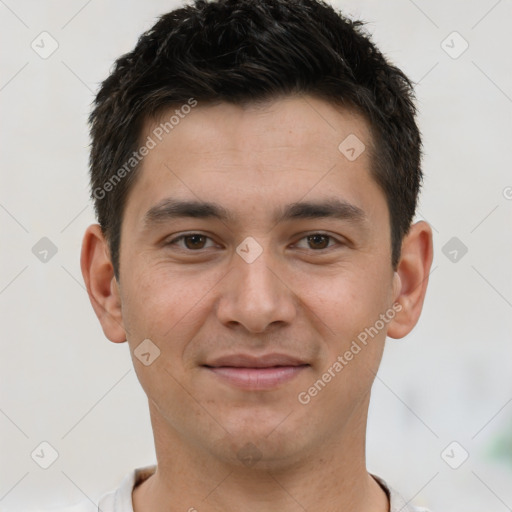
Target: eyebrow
{"points": [[170, 208]]}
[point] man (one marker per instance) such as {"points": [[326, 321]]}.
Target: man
{"points": [[255, 167]]}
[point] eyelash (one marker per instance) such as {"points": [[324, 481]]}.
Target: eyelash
{"points": [[182, 237]]}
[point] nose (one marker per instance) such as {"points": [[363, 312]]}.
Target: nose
{"points": [[257, 294]]}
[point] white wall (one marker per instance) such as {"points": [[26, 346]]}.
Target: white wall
{"points": [[62, 382]]}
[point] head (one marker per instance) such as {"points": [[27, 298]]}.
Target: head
{"points": [[254, 108]]}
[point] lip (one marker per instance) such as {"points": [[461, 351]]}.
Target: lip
{"points": [[251, 361], [256, 372]]}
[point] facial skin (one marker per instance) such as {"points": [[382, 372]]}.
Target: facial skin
{"points": [[197, 300]]}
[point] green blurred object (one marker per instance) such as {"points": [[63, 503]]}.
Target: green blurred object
{"points": [[501, 448]]}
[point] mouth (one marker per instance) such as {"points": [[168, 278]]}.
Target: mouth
{"points": [[256, 373]]}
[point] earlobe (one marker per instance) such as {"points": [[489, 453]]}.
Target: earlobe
{"points": [[102, 287], [411, 279]]}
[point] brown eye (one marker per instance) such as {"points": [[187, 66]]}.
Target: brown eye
{"points": [[191, 242], [318, 241], [194, 241]]}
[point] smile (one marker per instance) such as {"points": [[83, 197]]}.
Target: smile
{"points": [[256, 378]]}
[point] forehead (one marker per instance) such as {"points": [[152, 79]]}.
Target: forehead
{"points": [[252, 155], [299, 121]]}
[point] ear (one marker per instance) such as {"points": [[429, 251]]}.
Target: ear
{"points": [[101, 284], [411, 279]]}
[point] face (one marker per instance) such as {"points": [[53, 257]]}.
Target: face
{"points": [[257, 303]]}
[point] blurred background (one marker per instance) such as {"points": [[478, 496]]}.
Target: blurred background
{"points": [[440, 422]]}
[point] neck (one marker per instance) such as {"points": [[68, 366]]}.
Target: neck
{"points": [[331, 478]]}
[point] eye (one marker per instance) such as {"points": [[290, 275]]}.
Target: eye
{"points": [[192, 241], [197, 241], [319, 241]]}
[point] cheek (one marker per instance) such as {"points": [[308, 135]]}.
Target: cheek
{"points": [[354, 342], [162, 307], [356, 335], [351, 300], [166, 305]]}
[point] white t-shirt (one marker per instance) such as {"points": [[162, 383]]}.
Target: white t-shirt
{"points": [[120, 500]]}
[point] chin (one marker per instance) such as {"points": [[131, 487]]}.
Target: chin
{"points": [[270, 444]]}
